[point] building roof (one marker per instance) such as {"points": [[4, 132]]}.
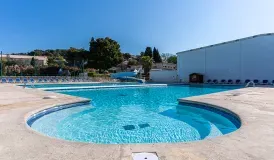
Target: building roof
{"points": [[255, 36], [25, 57]]}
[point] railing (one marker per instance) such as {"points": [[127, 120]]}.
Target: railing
{"points": [[251, 82]]}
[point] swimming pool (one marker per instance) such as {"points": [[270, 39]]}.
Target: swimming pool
{"points": [[137, 115]]}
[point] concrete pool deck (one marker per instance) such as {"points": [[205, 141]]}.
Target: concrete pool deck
{"points": [[253, 141]]}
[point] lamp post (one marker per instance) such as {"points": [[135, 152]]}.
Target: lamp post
{"points": [[34, 65], [1, 64]]}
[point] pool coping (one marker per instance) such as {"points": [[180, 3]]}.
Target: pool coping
{"points": [[230, 115], [34, 115], [254, 140], [99, 87]]}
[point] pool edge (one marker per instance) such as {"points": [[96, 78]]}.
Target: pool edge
{"points": [[220, 108]]}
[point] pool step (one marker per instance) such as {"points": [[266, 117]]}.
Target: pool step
{"points": [[214, 131]]}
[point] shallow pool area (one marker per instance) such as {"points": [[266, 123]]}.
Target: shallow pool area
{"points": [[138, 115]]}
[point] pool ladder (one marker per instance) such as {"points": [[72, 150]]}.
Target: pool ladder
{"points": [[251, 82]]}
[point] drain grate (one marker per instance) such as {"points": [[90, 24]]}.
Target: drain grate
{"points": [[145, 156], [129, 127], [144, 125]]}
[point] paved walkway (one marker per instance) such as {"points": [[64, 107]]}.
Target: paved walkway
{"points": [[253, 141]]}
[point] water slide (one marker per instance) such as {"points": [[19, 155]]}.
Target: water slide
{"points": [[127, 76]]}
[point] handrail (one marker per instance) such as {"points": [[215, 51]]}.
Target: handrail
{"points": [[251, 82]]}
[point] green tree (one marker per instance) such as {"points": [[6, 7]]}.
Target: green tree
{"points": [[36, 52], [32, 62], [132, 62], [147, 63], [126, 56], [10, 63], [75, 57], [104, 53], [56, 60], [172, 59], [148, 52], [165, 56], [156, 56]]}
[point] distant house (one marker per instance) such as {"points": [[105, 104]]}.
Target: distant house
{"points": [[164, 66], [25, 59]]}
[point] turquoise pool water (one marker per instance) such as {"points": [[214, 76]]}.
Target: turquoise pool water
{"points": [[137, 115]]}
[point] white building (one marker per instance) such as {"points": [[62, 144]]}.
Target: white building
{"points": [[247, 58], [164, 66], [25, 59]]}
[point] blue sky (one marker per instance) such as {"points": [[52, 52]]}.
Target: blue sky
{"points": [[170, 25]]}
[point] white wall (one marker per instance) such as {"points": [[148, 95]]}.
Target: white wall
{"points": [[191, 62], [258, 58], [164, 76], [250, 58], [223, 61]]}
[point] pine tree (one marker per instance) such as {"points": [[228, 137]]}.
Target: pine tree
{"points": [[148, 52], [156, 56], [32, 62]]}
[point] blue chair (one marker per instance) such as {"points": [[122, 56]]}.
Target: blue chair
{"points": [[238, 81], [265, 82], [215, 81], [247, 80], [40, 80], [3, 80], [209, 81], [32, 80], [10, 80], [256, 81], [230, 81], [17, 80], [46, 80], [25, 80], [223, 81]]}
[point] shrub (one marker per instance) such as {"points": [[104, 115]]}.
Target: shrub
{"points": [[49, 71], [91, 74], [74, 71], [90, 70]]}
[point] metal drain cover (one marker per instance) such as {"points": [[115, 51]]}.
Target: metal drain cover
{"points": [[145, 156], [50, 97]]}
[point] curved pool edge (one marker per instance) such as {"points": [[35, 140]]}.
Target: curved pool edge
{"points": [[216, 108], [34, 115]]}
